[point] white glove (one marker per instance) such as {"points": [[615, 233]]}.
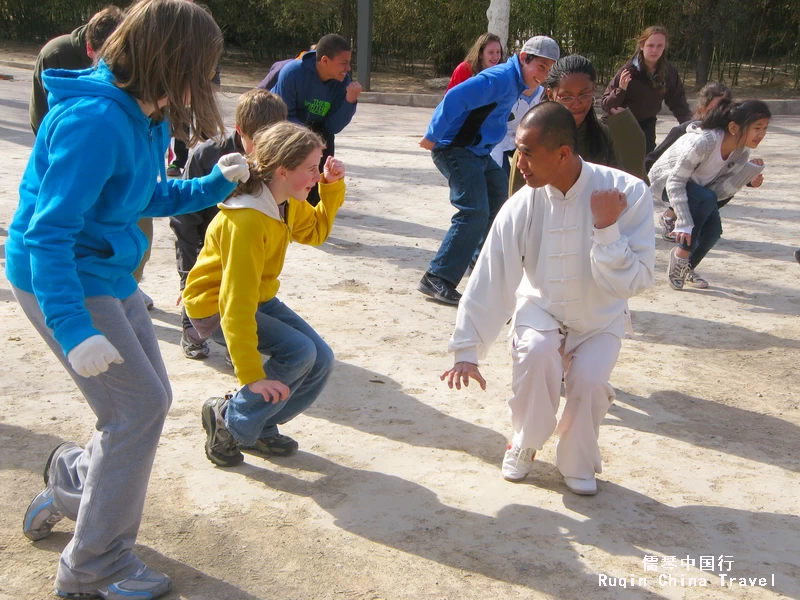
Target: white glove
{"points": [[93, 355], [234, 167]]}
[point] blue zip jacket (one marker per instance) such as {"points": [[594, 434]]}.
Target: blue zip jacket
{"points": [[93, 173], [310, 100], [474, 114]]}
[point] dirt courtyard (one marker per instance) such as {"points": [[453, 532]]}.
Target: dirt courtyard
{"points": [[396, 492]]}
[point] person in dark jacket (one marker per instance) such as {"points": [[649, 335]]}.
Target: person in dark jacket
{"points": [[275, 70], [319, 93], [470, 120], [256, 109], [619, 143], [72, 51], [645, 81]]}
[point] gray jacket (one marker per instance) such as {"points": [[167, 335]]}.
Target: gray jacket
{"points": [[672, 171]]}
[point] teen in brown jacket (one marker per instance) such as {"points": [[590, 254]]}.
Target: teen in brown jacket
{"points": [[645, 81]]}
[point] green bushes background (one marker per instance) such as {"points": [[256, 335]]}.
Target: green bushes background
{"points": [[759, 39]]}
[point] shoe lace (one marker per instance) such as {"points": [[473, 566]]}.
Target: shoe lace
{"points": [[520, 454], [223, 440], [680, 269]]}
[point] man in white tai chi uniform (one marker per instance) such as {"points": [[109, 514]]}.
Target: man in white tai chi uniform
{"points": [[563, 256]]}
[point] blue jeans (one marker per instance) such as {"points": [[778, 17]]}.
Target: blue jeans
{"points": [[299, 358], [707, 223], [478, 188]]}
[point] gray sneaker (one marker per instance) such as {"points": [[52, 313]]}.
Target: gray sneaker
{"points": [[194, 351], [696, 282], [145, 584], [221, 448], [41, 516], [667, 226], [677, 270]]}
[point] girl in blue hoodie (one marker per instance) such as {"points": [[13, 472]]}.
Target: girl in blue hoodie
{"points": [[72, 248]]}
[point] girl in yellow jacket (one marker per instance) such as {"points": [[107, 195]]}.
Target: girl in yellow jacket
{"points": [[234, 284]]}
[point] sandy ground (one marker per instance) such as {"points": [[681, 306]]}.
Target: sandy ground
{"points": [[396, 493]]}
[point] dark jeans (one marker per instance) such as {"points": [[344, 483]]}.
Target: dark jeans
{"points": [[190, 233], [649, 128], [507, 162], [478, 188], [707, 223], [181, 153]]}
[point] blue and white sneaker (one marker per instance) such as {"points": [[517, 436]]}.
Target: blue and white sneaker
{"points": [[145, 584], [41, 516]]}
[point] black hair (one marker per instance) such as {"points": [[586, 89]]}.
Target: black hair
{"points": [[573, 64], [331, 45], [555, 124], [743, 114]]}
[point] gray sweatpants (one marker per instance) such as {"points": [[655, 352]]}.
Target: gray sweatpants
{"points": [[103, 487]]}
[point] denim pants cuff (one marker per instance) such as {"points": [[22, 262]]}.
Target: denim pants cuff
{"points": [[240, 440]]}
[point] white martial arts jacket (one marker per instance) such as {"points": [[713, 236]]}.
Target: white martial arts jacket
{"points": [[545, 263]]}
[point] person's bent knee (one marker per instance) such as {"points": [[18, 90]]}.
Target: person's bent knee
{"points": [[305, 354], [536, 345], [585, 379], [701, 193], [154, 404], [325, 358]]}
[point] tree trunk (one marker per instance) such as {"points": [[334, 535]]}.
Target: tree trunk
{"points": [[347, 19], [499, 14], [704, 58]]}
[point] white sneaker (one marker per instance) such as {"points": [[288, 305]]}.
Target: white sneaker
{"points": [[582, 487], [517, 463]]}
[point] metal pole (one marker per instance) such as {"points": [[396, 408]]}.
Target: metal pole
{"points": [[364, 56]]}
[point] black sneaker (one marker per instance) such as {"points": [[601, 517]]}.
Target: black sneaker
{"points": [[194, 351], [221, 448], [797, 255], [439, 289], [276, 445], [173, 170]]}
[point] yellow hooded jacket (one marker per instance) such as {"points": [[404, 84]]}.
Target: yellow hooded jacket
{"points": [[242, 258]]}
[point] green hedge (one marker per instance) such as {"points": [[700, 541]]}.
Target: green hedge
{"points": [[434, 35]]}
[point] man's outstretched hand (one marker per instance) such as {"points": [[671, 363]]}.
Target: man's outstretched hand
{"points": [[462, 372]]}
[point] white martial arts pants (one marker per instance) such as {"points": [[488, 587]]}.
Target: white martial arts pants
{"points": [[536, 384]]}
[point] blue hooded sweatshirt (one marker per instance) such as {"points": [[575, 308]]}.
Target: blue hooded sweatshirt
{"points": [[96, 168], [474, 114], [312, 101]]}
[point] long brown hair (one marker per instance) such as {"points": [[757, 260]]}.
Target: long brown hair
{"points": [[473, 57], [660, 76], [283, 144], [169, 48]]}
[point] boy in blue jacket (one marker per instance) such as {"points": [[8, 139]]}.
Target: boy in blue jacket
{"points": [[467, 124], [319, 93]]}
